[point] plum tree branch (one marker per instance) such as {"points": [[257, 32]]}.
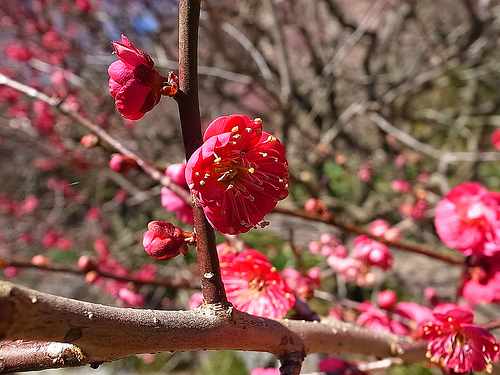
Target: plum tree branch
{"points": [[174, 283], [66, 110], [189, 113], [330, 219], [105, 334]]}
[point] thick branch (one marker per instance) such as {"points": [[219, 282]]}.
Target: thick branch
{"points": [[106, 333], [36, 355]]}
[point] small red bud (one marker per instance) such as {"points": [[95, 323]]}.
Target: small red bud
{"points": [[122, 164], [91, 276], [386, 299], [164, 241], [86, 264], [89, 140], [40, 260]]}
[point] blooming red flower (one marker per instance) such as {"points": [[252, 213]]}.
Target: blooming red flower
{"points": [[372, 253], [163, 241], [255, 286], [468, 219], [134, 83], [238, 174], [459, 345]]}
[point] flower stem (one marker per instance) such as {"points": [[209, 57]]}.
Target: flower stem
{"points": [[189, 112]]}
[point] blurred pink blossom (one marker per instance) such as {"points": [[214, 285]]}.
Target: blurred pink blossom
{"points": [[265, 371], [483, 280], [11, 272], [468, 219], [401, 186], [302, 285], [337, 365], [379, 321], [365, 174], [173, 202], [372, 253], [386, 299], [378, 227], [328, 245]]}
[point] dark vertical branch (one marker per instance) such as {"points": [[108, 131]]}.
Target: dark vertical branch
{"points": [[189, 112], [187, 99]]}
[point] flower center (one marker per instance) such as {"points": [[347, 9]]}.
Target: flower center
{"points": [[231, 171], [257, 283]]}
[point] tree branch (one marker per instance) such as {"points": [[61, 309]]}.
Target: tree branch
{"points": [[330, 219], [66, 110], [189, 112], [105, 334]]}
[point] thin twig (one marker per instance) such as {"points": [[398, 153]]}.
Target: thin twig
{"points": [[332, 220], [65, 109], [63, 268]]}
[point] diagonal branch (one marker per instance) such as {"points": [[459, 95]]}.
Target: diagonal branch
{"points": [[66, 110]]}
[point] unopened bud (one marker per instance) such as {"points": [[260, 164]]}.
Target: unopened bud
{"points": [[91, 276], [40, 260], [386, 299], [121, 163], [315, 205], [86, 264], [164, 241], [89, 140]]}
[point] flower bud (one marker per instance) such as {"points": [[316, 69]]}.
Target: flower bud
{"points": [[89, 140], [164, 241], [86, 264], [40, 260], [121, 163], [315, 205], [386, 299]]}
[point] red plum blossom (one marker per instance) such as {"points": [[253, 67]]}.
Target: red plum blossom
{"points": [[457, 344], [239, 174], [255, 286]]}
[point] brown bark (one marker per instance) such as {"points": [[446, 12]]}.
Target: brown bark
{"points": [[105, 334]]}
